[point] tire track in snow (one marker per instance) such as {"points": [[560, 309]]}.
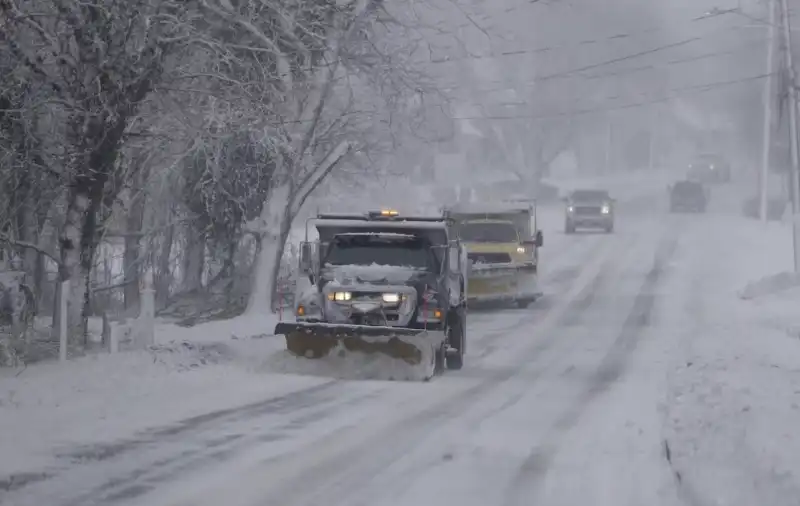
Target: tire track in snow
{"points": [[83, 455], [558, 281], [522, 378], [612, 367], [575, 316], [552, 281]]}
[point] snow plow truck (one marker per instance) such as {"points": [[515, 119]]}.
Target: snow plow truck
{"points": [[502, 242], [381, 283]]}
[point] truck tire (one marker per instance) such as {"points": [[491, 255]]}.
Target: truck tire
{"points": [[455, 337], [569, 228]]}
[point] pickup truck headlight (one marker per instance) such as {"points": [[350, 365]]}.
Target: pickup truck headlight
{"points": [[570, 209], [520, 249], [392, 298], [606, 209]]}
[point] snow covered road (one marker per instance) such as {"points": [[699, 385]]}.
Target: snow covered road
{"points": [[584, 398]]}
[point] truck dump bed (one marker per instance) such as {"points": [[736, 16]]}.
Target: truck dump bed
{"points": [[523, 217]]}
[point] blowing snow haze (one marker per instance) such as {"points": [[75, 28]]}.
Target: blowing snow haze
{"points": [[386, 253]]}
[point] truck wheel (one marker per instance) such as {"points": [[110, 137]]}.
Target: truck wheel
{"points": [[522, 304], [609, 229], [569, 228], [455, 337]]}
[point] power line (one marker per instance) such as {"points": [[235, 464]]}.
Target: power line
{"points": [[674, 93], [575, 45], [510, 85], [728, 52]]}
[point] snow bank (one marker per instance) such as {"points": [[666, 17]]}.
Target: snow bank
{"points": [[768, 285], [49, 409], [734, 402], [220, 330]]}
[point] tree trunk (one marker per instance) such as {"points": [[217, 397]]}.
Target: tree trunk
{"points": [[49, 231], [164, 280], [78, 248], [70, 257], [276, 220], [194, 260], [264, 278]]}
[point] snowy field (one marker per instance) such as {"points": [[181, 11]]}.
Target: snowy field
{"points": [[656, 370]]}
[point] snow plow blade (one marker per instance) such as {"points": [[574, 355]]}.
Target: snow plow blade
{"points": [[316, 340], [499, 282]]}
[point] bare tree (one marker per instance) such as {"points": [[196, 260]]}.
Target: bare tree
{"points": [[97, 64]]}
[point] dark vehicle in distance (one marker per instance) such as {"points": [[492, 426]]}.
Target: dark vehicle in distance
{"points": [[688, 196], [709, 169], [588, 209]]}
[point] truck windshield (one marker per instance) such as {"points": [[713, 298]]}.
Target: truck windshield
{"points": [[368, 249], [488, 232]]}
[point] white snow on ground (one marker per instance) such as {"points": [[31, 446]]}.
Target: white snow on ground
{"points": [[581, 397], [732, 412], [191, 371]]}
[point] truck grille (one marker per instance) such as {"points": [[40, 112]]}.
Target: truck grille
{"points": [[489, 258], [588, 210]]}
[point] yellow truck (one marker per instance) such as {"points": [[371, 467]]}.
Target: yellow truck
{"points": [[502, 243]]}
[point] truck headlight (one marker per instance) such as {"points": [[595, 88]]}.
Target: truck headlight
{"points": [[520, 249], [605, 210], [570, 209], [391, 298], [340, 296]]}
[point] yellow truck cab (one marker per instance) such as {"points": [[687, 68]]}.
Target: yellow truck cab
{"points": [[502, 244]]}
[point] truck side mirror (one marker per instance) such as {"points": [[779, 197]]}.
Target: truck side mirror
{"points": [[539, 239], [306, 259], [454, 259]]}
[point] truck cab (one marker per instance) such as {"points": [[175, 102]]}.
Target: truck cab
{"points": [[382, 273]]}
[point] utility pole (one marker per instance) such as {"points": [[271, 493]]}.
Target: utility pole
{"points": [[654, 131], [795, 171], [763, 176], [609, 145]]}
